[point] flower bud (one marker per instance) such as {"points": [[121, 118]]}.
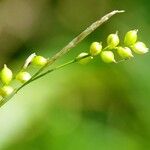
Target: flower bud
{"points": [[6, 91], [83, 58], [108, 56], [6, 75], [113, 40], [39, 61], [95, 48], [139, 48], [130, 37], [124, 52], [23, 76]]}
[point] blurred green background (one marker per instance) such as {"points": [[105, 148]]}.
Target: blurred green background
{"points": [[92, 107]]}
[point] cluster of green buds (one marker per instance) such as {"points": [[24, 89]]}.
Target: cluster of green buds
{"points": [[6, 75], [124, 52], [96, 48]]}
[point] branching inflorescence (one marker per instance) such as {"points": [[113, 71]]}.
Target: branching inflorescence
{"points": [[96, 49]]}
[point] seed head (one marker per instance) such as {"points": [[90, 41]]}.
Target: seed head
{"points": [[39, 61], [6, 75], [124, 52], [95, 48], [108, 56], [112, 40], [23, 76], [139, 48], [6, 91], [130, 37]]}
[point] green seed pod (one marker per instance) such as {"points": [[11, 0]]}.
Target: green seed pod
{"points": [[6, 75], [39, 61], [95, 48], [23, 76], [6, 91], [108, 56], [130, 37], [113, 40], [124, 52], [139, 48], [80, 58]]}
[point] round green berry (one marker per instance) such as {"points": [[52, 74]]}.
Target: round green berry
{"points": [[130, 37], [108, 56], [124, 52], [112, 40], [6, 75], [39, 61], [139, 48], [83, 58], [23, 76], [95, 48], [6, 91]]}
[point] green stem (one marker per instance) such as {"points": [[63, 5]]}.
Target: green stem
{"points": [[66, 49], [53, 69], [78, 39], [40, 76], [74, 43], [47, 72]]}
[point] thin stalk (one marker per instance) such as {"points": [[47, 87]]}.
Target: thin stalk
{"points": [[78, 39], [66, 49], [74, 43], [40, 76], [49, 71]]}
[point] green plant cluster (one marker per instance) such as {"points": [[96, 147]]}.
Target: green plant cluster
{"points": [[124, 52], [96, 48], [22, 76]]}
